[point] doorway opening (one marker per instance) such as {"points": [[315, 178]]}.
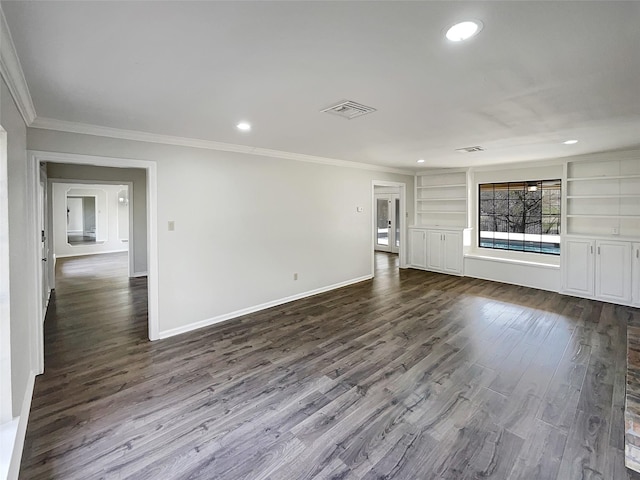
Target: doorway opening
{"points": [[388, 222], [387, 213], [122, 175]]}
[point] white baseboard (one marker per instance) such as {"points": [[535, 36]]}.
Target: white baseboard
{"points": [[90, 253], [245, 311], [139, 274], [21, 430]]}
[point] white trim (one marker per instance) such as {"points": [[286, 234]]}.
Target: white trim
{"points": [[11, 71], [15, 443], [135, 135], [245, 311], [36, 330], [152, 217], [90, 253], [6, 408]]}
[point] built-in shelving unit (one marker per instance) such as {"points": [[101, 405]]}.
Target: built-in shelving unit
{"points": [[603, 198], [441, 198]]}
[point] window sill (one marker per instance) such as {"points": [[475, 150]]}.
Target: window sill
{"points": [[513, 261]]}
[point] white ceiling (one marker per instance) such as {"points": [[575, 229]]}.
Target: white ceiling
{"points": [[538, 74]]}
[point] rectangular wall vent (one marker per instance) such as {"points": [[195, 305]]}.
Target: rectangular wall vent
{"points": [[477, 148], [349, 109]]}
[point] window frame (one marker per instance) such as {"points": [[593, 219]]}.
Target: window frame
{"points": [[522, 244]]}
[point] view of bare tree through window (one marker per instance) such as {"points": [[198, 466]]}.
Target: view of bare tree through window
{"points": [[523, 216]]}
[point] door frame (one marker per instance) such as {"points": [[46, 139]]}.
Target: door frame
{"points": [[402, 251], [6, 399], [33, 180]]}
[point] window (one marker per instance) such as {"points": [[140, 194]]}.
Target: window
{"points": [[522, 216]]}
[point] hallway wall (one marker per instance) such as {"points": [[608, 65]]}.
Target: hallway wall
{"points": [[244, 224]]}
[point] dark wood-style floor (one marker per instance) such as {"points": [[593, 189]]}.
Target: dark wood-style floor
{"points": [[412, 375]]}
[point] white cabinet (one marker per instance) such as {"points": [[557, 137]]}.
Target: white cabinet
{"points": [[452, 254], [598, 269], [418, 248], [444, 251], [435, 249], [635, 276], [613, 271], [577, 258]]}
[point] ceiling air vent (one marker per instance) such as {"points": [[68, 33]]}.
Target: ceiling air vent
{"points": [[477, 148], [349, 109]]}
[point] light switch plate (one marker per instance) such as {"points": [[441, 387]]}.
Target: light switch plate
{"points": [[172, 225]]}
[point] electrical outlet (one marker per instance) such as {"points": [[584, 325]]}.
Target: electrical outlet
{"points": [[172, 225], [615, 231], [295, 276]]}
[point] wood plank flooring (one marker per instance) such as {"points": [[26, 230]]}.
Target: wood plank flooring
{"points": [[413, 375]]}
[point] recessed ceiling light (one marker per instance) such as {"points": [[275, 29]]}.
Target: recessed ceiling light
{"points": [[464, 30], [421, 160], [244, 126], [570, 142]]}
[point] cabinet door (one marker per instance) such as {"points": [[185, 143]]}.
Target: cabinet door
{"points": [[418, 248], [613, 271], [452, 252], [434, 250], [635, 277], [577, 266]]}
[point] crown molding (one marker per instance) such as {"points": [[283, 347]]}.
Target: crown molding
{"points": [[138, 136], [12, 73]]}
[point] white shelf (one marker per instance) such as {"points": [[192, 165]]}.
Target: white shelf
{"points": [[603, 177], [450, 185], [446, 202]]}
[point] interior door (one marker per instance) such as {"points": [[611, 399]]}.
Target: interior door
{"points": [[387, 215]]}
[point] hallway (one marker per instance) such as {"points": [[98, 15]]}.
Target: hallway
{"points": [[412, 375]]}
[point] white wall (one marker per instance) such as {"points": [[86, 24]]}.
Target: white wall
{"points": [[107, 209], [258, 221], [137, 197]]}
